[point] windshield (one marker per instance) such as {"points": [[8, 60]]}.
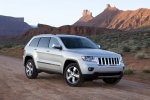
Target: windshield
{"points": [[78, 42]]}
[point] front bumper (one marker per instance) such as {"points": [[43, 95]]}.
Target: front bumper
{"points": [[103, 75], [84, 66]]}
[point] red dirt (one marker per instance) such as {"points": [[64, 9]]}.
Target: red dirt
{"points": [[15, 86]]}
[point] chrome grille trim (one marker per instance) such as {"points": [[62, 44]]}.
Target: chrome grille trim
{"points": [[108, 61]]}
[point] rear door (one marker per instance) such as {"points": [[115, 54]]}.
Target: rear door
{"points": [[42, 51]]}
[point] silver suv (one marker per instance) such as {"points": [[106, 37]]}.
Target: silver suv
{"points": [[75, 57]]}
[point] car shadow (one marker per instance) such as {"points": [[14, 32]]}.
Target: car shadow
{"points": [[60, 80]]}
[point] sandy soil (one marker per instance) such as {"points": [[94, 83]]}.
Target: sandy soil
{"points": [[15, 86]]}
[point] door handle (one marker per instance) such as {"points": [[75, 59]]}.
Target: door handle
{"points": [[47, 51], [35, 49]]}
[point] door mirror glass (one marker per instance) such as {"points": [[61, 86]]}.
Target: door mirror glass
{"points": [[57, 46], [99, 46]]}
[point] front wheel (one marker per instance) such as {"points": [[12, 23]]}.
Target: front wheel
{"points": [[111, 80], [73, 75]]}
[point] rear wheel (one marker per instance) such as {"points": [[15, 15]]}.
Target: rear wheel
{"points": [[73, 75], [111, 80], [30, 69]]}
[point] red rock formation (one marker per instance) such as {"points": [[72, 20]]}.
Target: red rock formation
{"points": [[67, 29], [86, 16], [113, 18]]}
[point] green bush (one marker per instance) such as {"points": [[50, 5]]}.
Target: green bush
{"points": [[128, 71], [126, 49], [140, 56]]}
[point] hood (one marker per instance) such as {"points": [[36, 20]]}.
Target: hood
{"points": [[94, 52]]}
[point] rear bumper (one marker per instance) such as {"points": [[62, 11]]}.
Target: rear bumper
{"points": [[23, 60], [102, 75]]}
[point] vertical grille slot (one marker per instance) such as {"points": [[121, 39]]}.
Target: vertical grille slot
{"points": [[115, 61], [103, 61], [110, 61], [106, 61], [100, 62]]}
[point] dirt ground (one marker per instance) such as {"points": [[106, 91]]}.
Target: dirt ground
{"points": [[15, 86]]}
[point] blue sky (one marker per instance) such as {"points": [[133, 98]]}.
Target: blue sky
{"points": [[62, 12]]}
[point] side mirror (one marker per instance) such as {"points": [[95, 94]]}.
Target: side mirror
{"points": [[57, 46], [99, 46]]}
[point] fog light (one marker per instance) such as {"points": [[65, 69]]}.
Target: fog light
{"points": [[90, 68]]}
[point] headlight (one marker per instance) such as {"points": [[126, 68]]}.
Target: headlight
{"points": [[89, 58], [121, 59]]}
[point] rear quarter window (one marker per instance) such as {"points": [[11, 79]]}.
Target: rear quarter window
{"points": [[44, 42], [34, 42]]}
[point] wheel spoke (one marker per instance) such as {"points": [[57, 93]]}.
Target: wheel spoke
{"points": [[31, 69], [28, 66], [74, 69], [73, 79], [69, 77], [69, 71], [27, 70], [30, 73], [76, 75]]}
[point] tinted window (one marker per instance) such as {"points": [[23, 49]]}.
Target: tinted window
{"points": [[44, 41], [34, 42], [53, 41], [78, 42]]}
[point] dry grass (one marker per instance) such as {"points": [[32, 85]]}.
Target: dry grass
{"points": [[128, 71], [18, 53]]}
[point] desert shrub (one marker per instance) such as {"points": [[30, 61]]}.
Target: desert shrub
{"points": [[8, 46], [1, 48], [146, 70], [18, 46], [128, 71], [140, 55], [126, 49], [147, 44], [138, 48]]}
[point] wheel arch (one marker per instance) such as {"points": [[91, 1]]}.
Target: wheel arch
{"points": [[69, 61], [27, 58]]}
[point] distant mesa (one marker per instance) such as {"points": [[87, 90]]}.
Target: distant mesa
{"points": [[113, 18], [12, 26]]}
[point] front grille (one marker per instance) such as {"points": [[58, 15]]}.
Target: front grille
{"points": [[108, 61]]}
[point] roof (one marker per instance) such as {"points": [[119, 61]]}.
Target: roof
{"points": [[59, 35]]}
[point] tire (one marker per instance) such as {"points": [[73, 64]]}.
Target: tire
{"points": [[30, 69], [111, 80], [73, 75]]}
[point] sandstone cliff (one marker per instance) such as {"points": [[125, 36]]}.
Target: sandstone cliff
{"points": [[86, 16], [67, 29], [113, 18]]}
